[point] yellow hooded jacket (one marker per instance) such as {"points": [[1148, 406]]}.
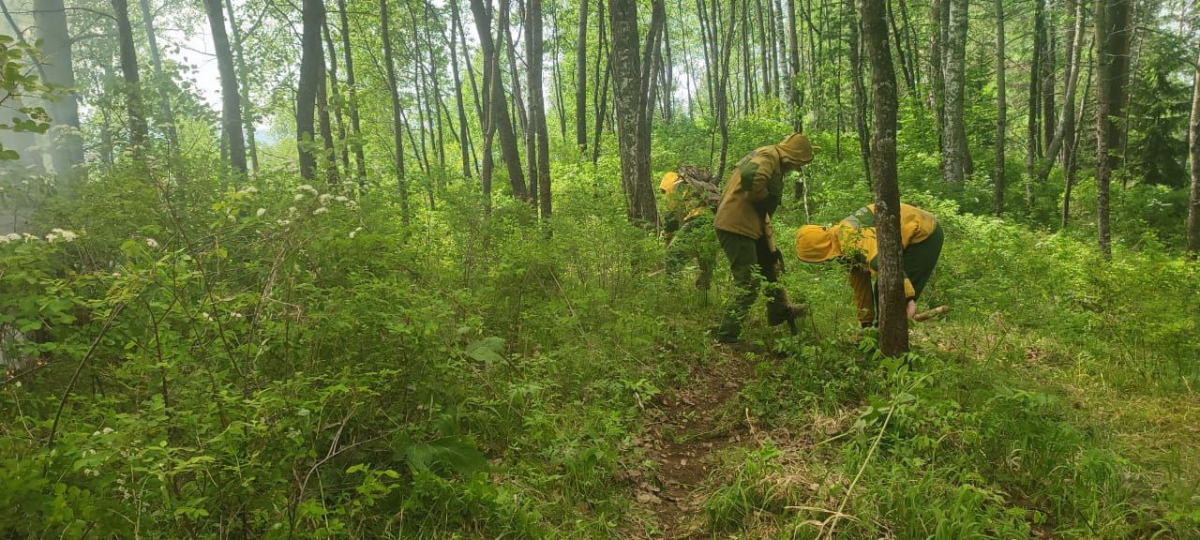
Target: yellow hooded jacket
{"points": [[755, 187], [854, 240]]}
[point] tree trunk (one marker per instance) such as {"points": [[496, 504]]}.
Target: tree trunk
{"points": [[794, 89], [1112, 40], [722, 105], [537, 104], [1001, 114], [496, 100], [132, 79], [231, 99], [893, 327], [581, 79], [326, 129], [938, 13], [630, 109], [464, 139], [956, 132], [397, 116], [360, 161], [243, 76], [310, 80], [164, 96], [339, 120], [1033, 144], [1066, 121], [905, 67], [1193, 219], [856, 79], [1073, 150], [51, 20]]}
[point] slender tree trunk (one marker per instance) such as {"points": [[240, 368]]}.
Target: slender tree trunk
{"points": [[893, 327], [726, 49], [1033, 146], [602, 106], [231, 98], [1066, 121], [310, 80], [244, 82], [326, 130], [164, 96], [581, 79], [1001, 113], [559, 102], [360, 161], [905, 68], [1104, 115], [339, 119], [537, 105], [909, 39], [397, 116], [464, 140], [956, 134], [132, 79], [860, 97], [1073, 150], [630, 108], [1047, 85], [1193, 219], [498, 104], [938, 13], [794, 88], [51, 20], [514, 74]]}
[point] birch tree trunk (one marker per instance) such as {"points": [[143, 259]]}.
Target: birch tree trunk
{"points": [[956, 136]]}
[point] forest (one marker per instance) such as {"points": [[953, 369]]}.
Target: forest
{"points": [[465, 269]]}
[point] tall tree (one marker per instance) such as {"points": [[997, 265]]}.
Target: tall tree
{"points": [[360, 162], [1193, 219], [939, 11], [1112, 42], [1001, 113], [397, 113], [311, 60], [243, 75], [132, 78], [1064, 131], [632, 122], [893, 323], [581, 49], [856, 79], [794, 88], [336, 96], [164, 94], [51, 19], [537, 103], [464, 140], [495, 101], [231, 99], [955, 151]]}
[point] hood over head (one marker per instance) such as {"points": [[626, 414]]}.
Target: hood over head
{"points": [[668, 181], [816, 244], [796, 151]]}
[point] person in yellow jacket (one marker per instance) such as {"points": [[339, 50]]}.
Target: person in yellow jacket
{"points": [[852, 241], [687, 228], [752, 193]]}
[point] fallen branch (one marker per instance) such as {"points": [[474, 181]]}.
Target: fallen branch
{"points": [[931, 314]]}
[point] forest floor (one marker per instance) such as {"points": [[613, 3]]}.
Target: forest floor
{"points": [[687, 427]]}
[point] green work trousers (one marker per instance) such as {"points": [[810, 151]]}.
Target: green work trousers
{"points": [[750, 261], [694, 241]]}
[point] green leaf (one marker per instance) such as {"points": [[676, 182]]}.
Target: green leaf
{"points": [[487, 350], [446, 455]]}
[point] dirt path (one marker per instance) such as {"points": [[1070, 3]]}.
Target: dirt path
{"points": [[685, 427]]}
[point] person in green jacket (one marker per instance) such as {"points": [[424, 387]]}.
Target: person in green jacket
{"points": [[687, 228], [752, 193], [852, 241]]}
